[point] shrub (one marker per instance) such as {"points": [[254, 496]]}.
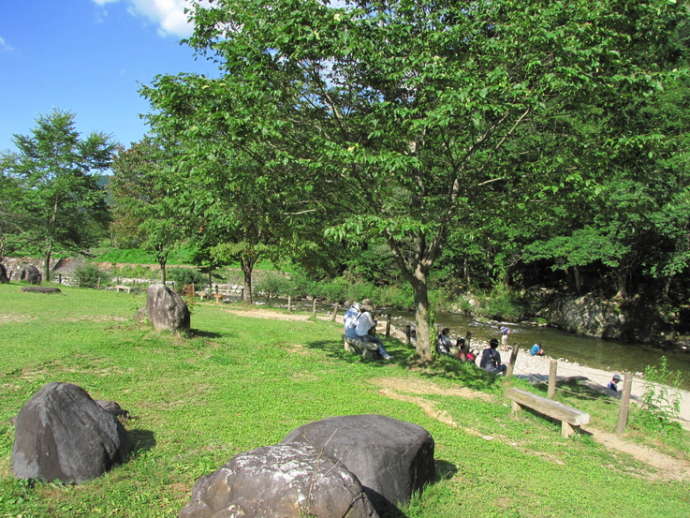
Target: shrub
{"points": [[273, 284], [184, 276], [661, 398], [89, 276], [500, 305]]}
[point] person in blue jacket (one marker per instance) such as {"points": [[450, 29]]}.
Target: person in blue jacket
{"points": [[536, 350]]}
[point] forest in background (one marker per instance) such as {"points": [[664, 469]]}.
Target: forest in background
{"points": [[524, 152]]}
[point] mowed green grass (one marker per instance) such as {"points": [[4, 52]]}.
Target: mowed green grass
{"points": [[239, 383]]}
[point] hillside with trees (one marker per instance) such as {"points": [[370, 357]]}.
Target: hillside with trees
{"points": [[535, 153]]}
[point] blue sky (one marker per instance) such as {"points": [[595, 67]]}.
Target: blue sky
{"points": [[88, 57]]}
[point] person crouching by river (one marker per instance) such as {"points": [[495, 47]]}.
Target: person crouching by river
{"points": [[491, 359], [366, 326]]}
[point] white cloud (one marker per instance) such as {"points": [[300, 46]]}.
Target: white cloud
{"points": [[4, 46], [168, 15]]}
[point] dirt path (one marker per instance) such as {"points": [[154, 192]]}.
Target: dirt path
{"points": [[411, 391], [669, 468], [267, 314]]}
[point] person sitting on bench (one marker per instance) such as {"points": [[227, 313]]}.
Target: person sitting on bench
{"points": [[366, 324], [350, 320], [491, 359]]}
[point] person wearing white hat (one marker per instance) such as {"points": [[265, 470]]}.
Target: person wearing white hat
{"points": [[350, 320]]}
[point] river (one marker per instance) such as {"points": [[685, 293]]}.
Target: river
{"points": [[593, 352]]}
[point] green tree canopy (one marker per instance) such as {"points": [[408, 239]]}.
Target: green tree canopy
{"points": [[60, 205], [391, 115]]}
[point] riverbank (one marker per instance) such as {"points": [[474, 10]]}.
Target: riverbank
{"points": [[536, 370]]}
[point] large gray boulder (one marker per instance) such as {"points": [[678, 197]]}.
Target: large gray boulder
{"points": [[165, 309], [29, 273], [61, 433], [4, 277], [588, 315], [282, 481], [392, 459]]}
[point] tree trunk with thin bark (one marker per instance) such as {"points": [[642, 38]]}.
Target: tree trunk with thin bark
{"points": [[247, 265]]}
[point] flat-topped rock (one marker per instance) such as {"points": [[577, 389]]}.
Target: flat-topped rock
{"points": [[40, 289], [391, 458]]}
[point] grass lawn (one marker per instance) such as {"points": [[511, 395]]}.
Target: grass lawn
{"points": [[239, 383]]}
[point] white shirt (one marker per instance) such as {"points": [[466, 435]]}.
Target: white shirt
{"points": [[364, 323]]}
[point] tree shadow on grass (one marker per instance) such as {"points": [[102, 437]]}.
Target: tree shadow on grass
{"points": [[578, 387], [140, 441], [466, 373], [199, 333]]}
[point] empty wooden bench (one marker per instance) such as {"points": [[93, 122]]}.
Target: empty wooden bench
{"points": [[570, 418], [357, 346]]}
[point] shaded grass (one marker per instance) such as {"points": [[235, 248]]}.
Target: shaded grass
{"points": [[239, 383]]}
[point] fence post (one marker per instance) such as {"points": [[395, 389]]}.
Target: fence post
{"points": [[388, 325], [624, 408], [59, 278], [513, 359], [98, 282], [289, 302], [336, 306], [408, 334], [313, 307], [553, 368]]}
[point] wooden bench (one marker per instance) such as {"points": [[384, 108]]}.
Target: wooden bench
{"points": [[368, 350], [570, 418], [122, 287]]}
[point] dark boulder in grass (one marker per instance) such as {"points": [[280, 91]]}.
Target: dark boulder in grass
{"points": [[166, 310], [29, 273], [63, 434], [281, 481], [392, 459], [40, 289], [4, 277]]}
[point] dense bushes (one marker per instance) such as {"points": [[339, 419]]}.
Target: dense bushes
{"points": [[184, 276], [89, 276]]}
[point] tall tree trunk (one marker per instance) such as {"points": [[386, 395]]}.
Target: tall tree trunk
{"points": [[46, 264], [578, 280], [621, 283], [421, 302], [247, 264], [162, 262], [466, 273]]}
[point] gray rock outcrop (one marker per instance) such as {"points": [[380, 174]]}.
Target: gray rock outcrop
{"points": [[29, 273], [61, 433], [392, 459], [166, 310], [588, 315], [282, 481]]}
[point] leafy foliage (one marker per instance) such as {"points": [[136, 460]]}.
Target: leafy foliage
{"points": [[661, 399], [90, 276], [383, 121], [49, 192]]}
